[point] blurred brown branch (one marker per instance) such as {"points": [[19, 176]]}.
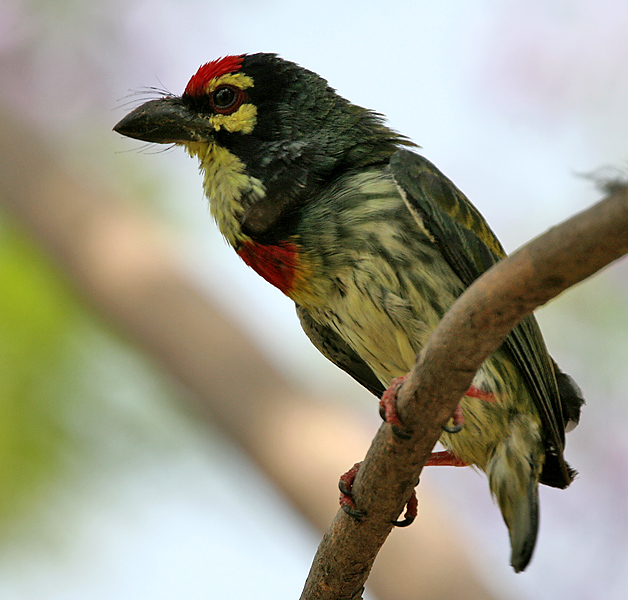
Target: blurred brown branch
{"points": [[474, 327], [118, 260]]}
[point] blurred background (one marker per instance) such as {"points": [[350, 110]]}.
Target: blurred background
{"points": [[166, 430]]}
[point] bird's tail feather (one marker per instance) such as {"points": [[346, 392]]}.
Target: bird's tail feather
{"points": [[524, 528], [513, 472]]}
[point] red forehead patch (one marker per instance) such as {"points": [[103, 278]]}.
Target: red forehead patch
{"points": [[197, 84]]}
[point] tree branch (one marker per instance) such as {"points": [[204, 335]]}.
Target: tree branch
{"points": [[474, 327]]}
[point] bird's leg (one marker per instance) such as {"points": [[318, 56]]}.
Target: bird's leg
{"points": [[445, 458], [348, 503]]}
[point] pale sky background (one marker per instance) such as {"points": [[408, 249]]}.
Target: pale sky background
{"points": [[510, 99]]}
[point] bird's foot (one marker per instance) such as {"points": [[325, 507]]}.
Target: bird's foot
{"points": [[457, 419], [347, 501], [388, 408]]}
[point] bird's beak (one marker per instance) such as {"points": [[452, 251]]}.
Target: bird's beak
{"points": [[165, 121]]}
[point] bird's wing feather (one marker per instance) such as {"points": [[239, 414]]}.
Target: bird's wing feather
{"points": [[335, 349], [470, 247]]}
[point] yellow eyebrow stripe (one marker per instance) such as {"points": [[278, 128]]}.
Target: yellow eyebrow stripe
{"points": [[239, 80]]}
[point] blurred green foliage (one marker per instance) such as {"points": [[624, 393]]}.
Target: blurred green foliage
{"points": [[38, 314], [77, 403]]}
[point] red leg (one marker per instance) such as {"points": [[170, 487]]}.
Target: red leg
{"points": [[444, 459], [480, 394]]}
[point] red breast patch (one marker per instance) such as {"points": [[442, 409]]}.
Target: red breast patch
{"points": [[276, 264]]}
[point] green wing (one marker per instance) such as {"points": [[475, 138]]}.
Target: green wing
{"points": [[470, 247]]}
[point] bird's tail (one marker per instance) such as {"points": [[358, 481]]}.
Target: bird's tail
{"points": [[513, 472]]}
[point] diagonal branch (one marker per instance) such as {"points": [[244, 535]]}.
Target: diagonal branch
{"points": [[474, 327]]}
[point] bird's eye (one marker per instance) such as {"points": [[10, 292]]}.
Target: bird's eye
{"points": [[226, 99]]}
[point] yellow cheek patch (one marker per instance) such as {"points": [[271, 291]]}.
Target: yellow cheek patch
{"points": [[242, 120], [239, 80]]}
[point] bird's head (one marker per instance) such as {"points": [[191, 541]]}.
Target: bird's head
{"points": [[268, 134]]}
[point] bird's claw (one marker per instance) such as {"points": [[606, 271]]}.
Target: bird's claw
{"points": [[457, 421], [453, 428], [412, 510]]}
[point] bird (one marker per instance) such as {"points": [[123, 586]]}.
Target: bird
{"points": [[373, 244]]}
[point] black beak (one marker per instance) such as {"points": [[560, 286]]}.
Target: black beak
{"points": [[165, 121]]}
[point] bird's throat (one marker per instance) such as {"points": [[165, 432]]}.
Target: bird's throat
{"points": [[227, 186]]}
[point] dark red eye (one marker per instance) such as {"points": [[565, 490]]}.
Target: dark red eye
{"points": [[225, 99]]}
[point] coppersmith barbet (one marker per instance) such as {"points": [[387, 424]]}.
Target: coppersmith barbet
{"points": [[373, 243]]}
